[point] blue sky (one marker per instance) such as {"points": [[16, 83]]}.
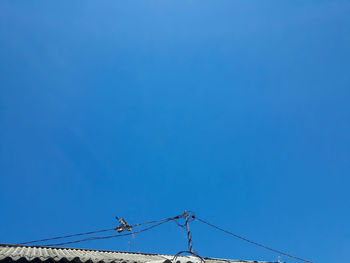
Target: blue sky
{"points": [[237, 110]]}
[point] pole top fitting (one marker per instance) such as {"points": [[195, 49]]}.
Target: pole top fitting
{"points": [[189, 214]]}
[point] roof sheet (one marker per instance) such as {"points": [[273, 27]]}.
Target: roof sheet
{"points": [[13, 253]]}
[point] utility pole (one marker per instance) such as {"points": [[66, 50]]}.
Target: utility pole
{"points": [[189, 235]]}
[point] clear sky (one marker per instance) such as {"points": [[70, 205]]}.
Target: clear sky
{"points": [[238, 110]]}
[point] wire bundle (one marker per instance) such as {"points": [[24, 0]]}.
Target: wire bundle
{"points": [[153, 224]]}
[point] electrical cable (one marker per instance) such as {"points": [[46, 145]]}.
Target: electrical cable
{"points": [[94, 232], [66, 236], [252, 242], [120, 235]]}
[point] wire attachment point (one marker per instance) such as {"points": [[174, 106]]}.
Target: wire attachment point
{"points": [[123, 225]]}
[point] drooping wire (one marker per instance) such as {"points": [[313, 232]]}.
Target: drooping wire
{"points": [[252, 242], [93, 232], [163, 221]]}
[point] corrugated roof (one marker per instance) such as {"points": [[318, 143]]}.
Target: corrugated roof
{"points": [[31, 253], [14, 253]]}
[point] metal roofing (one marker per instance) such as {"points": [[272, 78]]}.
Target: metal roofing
{"points": [[17, 253]]}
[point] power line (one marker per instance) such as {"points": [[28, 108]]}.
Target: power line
{"points": [[120, 235], [93, 232], [155, 223], [66, 236], [252, 242]]}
